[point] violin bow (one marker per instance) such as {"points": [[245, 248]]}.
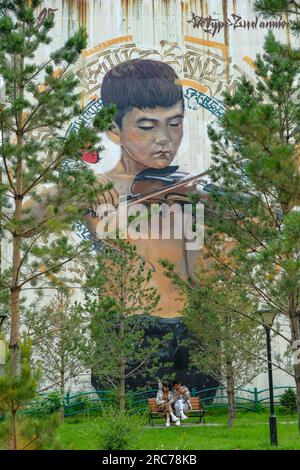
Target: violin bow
{"points": [[144, 197], [140, 198]]}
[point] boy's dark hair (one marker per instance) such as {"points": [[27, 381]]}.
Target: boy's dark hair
{"points": [[166, 385], [140, 83], [176, 383]]}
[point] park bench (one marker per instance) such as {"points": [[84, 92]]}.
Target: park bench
{"points": [[153, 410]]}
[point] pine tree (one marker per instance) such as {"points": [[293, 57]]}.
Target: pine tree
{"points": [[255, 195], [60, 337], [271, 8], [119, 298], [16, 390], [19, 430], [288, 402], [225, 343], [40, 100]]}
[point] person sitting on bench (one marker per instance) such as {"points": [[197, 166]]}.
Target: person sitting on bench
{"points": [[181, 400], [164, 400]]}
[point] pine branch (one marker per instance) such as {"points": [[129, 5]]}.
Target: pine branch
{"points": [[57, 266], [27, 251], [256, 288], [39, 70], [7, 171], [50, 168], [229, 339], [47, 94]]}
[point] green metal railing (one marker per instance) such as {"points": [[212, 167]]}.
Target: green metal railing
{"points": [[136, 402], [254, 402]]}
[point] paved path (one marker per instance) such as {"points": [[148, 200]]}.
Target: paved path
{"points": [[197, 425], [185, 425]]}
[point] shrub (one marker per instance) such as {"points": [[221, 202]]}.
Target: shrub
{"points": [[84, 403], [112, 399], [33, 433], [48, 404], [288, 402], [119, 431]]}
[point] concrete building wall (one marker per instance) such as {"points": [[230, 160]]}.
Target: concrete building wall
{"points": [[207, 59]]}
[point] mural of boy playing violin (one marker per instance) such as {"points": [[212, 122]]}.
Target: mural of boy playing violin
{"points": [[148, 126]]}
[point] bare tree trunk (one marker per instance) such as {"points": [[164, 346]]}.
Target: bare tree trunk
{"points": [[297, 381], [122, 367], [16, 257], [13, 440], [230, 393], [15, 307], [62, 393], [62, 374], [122, 385], [295, 329], [15, 328], [15, 289]]}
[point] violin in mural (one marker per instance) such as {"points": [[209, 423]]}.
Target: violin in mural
{"points": [[148, 127]]}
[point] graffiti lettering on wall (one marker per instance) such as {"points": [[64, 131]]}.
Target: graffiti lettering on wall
{"points": [[196, 100], [193, 63], [87, 116], [213, 26], [44, 13]]}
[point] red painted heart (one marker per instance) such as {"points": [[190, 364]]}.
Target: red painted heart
{"points": [[90, 157]]}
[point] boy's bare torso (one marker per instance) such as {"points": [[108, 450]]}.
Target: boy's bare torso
{"points": [[170, 304]]}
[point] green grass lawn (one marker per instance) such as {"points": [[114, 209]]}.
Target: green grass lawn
{"points": [[251, 431]]}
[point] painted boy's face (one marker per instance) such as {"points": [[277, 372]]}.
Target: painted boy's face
{"points": [[152, 137]]}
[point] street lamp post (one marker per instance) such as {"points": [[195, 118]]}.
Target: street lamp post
{"points": [[267, 317]]}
